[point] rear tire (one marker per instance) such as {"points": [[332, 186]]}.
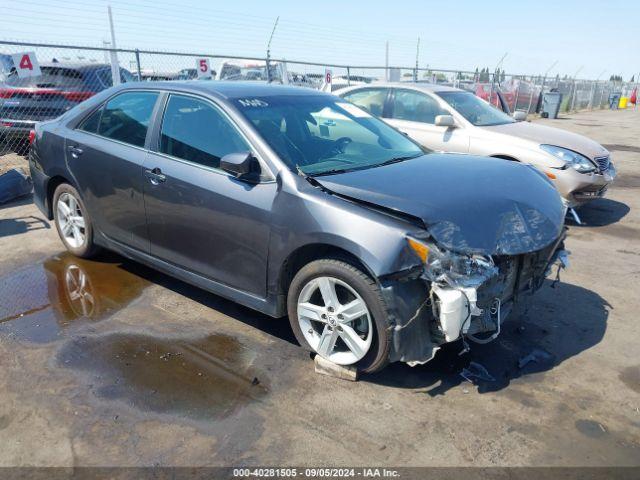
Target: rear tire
{"points": [[73, 222], [328, 328]]}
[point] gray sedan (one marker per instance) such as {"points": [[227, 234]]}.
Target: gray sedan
{"points": [[297, 202]]}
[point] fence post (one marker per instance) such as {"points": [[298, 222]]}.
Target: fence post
{"points": [[532, 87], [515, 101], [573, 95], [139, 68], [593, 93], [349, 76]]}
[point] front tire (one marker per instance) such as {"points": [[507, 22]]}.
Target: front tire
{"points": [[337, 311], [73, 222]]}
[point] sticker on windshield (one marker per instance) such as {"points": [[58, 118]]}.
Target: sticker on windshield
{"points": [[252, 102], [355, 111]]}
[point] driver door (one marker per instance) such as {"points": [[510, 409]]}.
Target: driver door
{"points": [[199, 217], [414, 113]]}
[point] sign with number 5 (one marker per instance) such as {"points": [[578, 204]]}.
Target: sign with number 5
{"points": [[26, 64], [204, 71]]}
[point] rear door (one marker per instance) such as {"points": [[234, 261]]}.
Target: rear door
{"points": [[105, 154], [199, 217], [414, 113]]}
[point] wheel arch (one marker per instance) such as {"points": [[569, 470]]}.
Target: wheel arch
{"points": [[52, 184], [505, 157], [315, 251]]}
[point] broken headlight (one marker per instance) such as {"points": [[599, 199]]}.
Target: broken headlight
{"points": [[450, 268], [581, 163]]}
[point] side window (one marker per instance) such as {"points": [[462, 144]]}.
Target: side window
{"points": [[196, 131], [90, 124], [371, 99], [416, 107], [126, 117]]}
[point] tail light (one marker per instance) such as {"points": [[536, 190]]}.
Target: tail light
{"points": [[77, 96], [32, 136]]}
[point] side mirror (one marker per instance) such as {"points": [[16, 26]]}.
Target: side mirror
{"points": [[519, 116], [445, 121], [242, 165]]}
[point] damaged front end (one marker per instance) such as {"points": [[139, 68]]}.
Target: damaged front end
{"points": [[468, 296]]}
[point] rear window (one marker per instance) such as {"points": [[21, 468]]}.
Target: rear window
{"points": [[52, 77]]}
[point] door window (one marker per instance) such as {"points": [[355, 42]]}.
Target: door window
{"points": [[196, 131], [91, 123], [371, 99], [416, 107], [126, 117]]}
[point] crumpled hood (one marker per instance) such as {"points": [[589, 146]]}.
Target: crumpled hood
{"points": [[469, 204], [543, 134]]}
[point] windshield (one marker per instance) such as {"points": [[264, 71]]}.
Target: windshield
{"points": [[320, 135], [475, 110]]}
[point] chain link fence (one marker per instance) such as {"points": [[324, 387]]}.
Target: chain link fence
{"points": [[71, 74]]}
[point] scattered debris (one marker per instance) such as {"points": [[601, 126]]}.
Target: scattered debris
{"points": [[14, 184], [326, 367], [475, 370], [537, 356]]}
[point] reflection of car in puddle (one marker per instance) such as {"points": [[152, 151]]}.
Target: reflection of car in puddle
{"points": [[40, 300]]}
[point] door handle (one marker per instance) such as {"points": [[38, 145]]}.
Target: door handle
{"points": [[155, 176], [75, 151]]}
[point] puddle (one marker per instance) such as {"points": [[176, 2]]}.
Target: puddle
{"points": [[591, 429], [39, 302], [616, 147], [630, 376], [207, 378]]}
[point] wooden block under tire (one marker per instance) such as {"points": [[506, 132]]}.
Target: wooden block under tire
{"points": [[326, 367]]}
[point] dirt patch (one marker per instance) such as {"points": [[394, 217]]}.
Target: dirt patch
{"points": [[11, 161], [208, 378]]}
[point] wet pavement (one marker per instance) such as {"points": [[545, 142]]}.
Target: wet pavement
{"points": [[106, 362]]}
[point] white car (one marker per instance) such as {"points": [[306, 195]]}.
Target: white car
{"points": [[453, 120]]}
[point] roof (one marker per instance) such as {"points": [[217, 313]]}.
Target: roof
{"points": [[75, 65], [426, 87], [229, 90]]}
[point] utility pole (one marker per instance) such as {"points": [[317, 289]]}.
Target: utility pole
{"points": [[386, 62], [493, 77], [415, 71], [269, 50], [115, 67]]}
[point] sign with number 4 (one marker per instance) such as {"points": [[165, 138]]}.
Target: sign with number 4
{"points": [[204, 71], [26, 64]]}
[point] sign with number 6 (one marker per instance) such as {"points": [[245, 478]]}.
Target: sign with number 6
{"points": [[26, 64], [204, 71]]}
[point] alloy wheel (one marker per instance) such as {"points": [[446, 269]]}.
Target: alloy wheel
{"points": [[70, 220], [335, 320]]}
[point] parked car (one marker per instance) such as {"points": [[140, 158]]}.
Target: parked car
{"points": [[292, 201], [453, 120], [25, 101]]}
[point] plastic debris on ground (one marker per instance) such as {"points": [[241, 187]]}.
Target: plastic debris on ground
{"points": [[476, 371], [536, 356]]}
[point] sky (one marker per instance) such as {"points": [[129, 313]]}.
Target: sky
{"points": [[589, 38]]}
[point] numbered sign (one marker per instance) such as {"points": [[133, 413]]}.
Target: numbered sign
{"points": [[26, 64], [328, 76], [204, 71]]}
